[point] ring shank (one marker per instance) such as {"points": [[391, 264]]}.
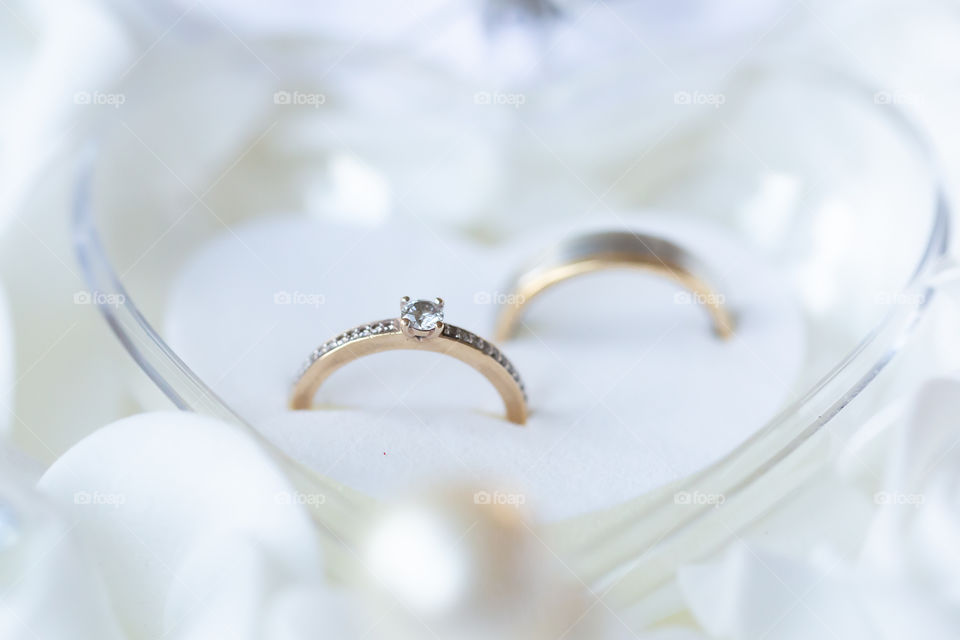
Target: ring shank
{"points": [[613, 250], [452, 341]]}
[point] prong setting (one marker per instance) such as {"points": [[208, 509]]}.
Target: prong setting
{"points": [[421, 319]]}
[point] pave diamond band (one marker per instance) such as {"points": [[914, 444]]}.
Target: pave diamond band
{"points": [[365, 330], [420, 326], [487, 348]]}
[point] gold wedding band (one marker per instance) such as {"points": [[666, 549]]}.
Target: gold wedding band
{"points": [[420, 326], [591, 252]]}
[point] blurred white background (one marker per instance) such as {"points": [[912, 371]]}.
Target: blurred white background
{"points": [[482, 119]]}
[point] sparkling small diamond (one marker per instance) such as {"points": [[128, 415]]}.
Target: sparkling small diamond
{"points": [[424, 315]]}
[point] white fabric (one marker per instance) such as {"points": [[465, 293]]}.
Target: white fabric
{"points": [[628, 389]]}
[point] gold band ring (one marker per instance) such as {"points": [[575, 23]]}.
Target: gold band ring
{"points": [[591, 252], [420, 326]]}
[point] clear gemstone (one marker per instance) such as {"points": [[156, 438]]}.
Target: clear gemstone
{"points": [[424, 315]]}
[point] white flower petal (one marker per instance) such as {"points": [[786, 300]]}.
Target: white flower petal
{"points": [[49, 588], [150, 491]]}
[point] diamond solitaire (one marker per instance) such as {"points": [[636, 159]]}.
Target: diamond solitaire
{"points": [[421, 318]]}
